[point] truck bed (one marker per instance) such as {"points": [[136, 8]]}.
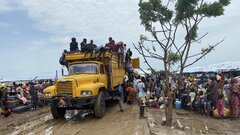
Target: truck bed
{"points": [[110, 59]]}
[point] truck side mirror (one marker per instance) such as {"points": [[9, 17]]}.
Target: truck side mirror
{"points": [[63, 72]]}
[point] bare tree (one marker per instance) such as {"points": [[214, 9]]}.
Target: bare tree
{"points": [[164, 22]]}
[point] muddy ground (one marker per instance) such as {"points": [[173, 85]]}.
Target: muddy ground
{"points": [[115, 122], [41, 122], [189, 123]]}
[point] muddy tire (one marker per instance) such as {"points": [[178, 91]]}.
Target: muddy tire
{"points": [[58, 113], [99, 105]]}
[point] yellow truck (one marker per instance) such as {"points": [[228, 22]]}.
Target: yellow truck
{"points": [[90, 81]]}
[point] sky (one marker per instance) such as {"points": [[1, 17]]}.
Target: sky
{"points": [[33, 33]]}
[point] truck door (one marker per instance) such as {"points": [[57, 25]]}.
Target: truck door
{"points": [[103, 75]]}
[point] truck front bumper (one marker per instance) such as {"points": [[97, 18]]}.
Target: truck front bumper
{"points": [[71, 103]]}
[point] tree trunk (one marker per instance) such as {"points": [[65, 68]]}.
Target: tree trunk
{"points": [[168, 108], [180, 81], [169, 114]]}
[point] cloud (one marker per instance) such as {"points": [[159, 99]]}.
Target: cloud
{"points": [[91, 19], [59, 39], [5, 6], [9, 5], [4, 24]]}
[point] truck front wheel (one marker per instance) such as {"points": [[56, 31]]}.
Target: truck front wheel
{"points": [[99, 105], [57, 112]]}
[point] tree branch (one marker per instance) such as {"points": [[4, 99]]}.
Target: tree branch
{"points": [[144, 57], [140, 51], [200, 38], [205, 53]]}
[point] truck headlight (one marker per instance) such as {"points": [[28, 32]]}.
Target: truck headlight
{"points": [[47, 94], [86, 92]]}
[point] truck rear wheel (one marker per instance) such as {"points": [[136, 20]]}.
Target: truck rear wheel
{"points": [[57, 112], [99, 105]]}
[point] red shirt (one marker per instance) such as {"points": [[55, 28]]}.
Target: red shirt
{"points": [[220, 107], [112, 45]]}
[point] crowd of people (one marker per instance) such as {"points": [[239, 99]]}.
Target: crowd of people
{"points": [[214, 95], [25, 95]]}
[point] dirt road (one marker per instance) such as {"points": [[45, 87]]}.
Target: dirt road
{"points": [[41, 122]]}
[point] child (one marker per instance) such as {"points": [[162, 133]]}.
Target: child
{"points": [[142, 106], [192, 96], [157, 91], [196, 103], [202, 103]]}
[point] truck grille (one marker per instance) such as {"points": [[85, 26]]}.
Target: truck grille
{"points": [[64, 88]]}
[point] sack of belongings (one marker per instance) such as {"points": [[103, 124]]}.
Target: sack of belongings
{"points": [[217, 115]]}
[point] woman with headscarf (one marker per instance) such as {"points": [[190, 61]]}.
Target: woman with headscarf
{"points": [[235, 98]]}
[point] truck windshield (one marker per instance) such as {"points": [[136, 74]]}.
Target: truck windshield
{"points": [[83, 69]]}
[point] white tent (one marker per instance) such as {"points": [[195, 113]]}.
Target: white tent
{"points": [[221, 67]]}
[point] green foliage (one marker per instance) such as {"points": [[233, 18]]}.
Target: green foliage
{"points": [[143, 38], [193, 32], [153, 11], [212, 9], [185, 9], [173, 58], [192, 35], [225, 2]]}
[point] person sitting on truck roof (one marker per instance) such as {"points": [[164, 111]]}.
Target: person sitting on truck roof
{"points": [[111, 45], [101, 51], [83, 45], [90, 48], [73, 45], [92, 45]]}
